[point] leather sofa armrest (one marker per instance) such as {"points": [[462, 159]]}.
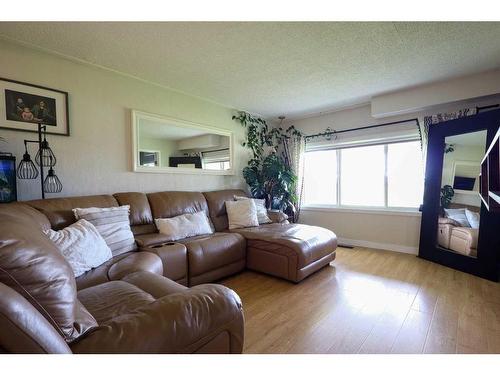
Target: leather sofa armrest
{"points": [[138, 261], [463, 240], [447, 220], [151, 239], [156, 285], [277, 216], [204, 316], [174, 258], [24, 329], [469, 234]]}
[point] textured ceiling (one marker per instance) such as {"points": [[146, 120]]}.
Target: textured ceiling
{"points": [[276, 68]]}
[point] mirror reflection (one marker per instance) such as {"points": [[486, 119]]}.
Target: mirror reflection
{"points": [[459, 220], [162, 143]]}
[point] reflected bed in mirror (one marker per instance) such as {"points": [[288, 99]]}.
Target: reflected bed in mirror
{"points": [[458, 223], [165, 145]]}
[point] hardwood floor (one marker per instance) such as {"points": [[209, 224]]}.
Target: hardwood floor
{"points": [[371, 301]]}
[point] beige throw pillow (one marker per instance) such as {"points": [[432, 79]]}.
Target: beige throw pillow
{"points": [[81, 245], [113, 224], [242, 214], [260, 205], [184, 226]]}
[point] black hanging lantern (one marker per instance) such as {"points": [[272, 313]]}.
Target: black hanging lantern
{"points": [[26, 169], [44, 158], [45, 154], [52, 183]]}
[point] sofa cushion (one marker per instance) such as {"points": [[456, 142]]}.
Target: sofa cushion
{"points": [[211, 252], [137, 261], [242, 214], [81, 245], [463, 239], [473, 218], [59, 210], [174, 203], [174, 258], [277, 216], [216, 201], [125, 264], [156, 285], [141, 217], [98, 275], [28, 214], [457, 214], [176, 323], [260, 205], [109, 300], [113, 225], [184, 226], [24, 329], [32, 266], [140, 212], [308, 242]]}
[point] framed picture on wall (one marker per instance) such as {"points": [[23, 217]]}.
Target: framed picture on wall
{"points": [[23, 106]]}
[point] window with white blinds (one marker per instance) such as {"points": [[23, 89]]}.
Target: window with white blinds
{"points": [[216, 160], [376, 168]]}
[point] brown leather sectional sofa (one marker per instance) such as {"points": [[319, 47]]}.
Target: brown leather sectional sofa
{"points": [[138, 302]]}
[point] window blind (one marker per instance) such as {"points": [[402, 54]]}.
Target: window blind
{"points": [[215, 156]]}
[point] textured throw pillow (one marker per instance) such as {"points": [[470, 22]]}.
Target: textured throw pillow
{"points": [[242, 214], [472, 218], [81, 245], [184, 226], [260, 204], [113, 225], [457, 214]]}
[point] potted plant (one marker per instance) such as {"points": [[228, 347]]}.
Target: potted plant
{"points": [[447, 194], [269, 172]]}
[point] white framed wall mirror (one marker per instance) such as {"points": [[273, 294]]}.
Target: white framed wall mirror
{"points": [[167, 145]]}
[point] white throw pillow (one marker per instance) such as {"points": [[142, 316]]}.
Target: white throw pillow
{"points": [[260, 204], [457, 214], [472, 218], [184, 226], [113, 224], [242, 214], [81, 245]]}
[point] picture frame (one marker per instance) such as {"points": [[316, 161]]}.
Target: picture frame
{"points": [[24, 105]]}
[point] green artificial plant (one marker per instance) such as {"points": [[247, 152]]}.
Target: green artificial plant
{"points": [[447, 194], [269, 172]]}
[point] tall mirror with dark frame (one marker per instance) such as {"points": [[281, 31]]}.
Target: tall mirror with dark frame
{"points": [[460, 203], [458, 229]]}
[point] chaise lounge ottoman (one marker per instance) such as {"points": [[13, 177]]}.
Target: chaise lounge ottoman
{"points": [[288, 251]]}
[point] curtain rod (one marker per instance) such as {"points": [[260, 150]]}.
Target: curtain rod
{"points": [[330, 131], [487, 107], [333, 132]]}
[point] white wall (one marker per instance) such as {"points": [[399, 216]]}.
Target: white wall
{"points": [[96, 158], [391, 231], [436, 94], [166, 148]]}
